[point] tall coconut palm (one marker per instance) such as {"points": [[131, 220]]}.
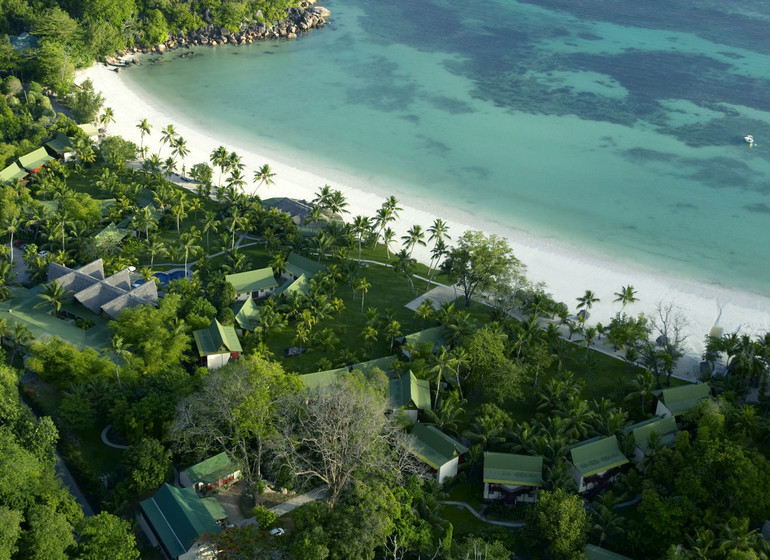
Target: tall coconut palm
{"points": [[144, 128], [586, 300], [167, 136], [405, 265], [121, 351], [388, 235], [236, 180], [178, 208], [54, 296], [323, 197], [338, 204], [21, 337], [264, 175], [152, 165], [220, 158], [188, 244], [210, 223], [107, 117], [414, 236], [443, 360], [361, 226], [626, 295], [11, 224], [393, 331], [236, 220], [180, 150], [155, 247], [439, 235]]}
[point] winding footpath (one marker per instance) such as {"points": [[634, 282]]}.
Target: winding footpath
{"points": [[483, 518]]}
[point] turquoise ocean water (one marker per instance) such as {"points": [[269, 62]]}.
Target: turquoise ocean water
{"points": [[615, 126]]}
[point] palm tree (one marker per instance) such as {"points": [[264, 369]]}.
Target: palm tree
{"points": [[234, 161], [167, 136], [337, 203], [323, 197], [363, 286], [178, 209], [236, 220], [210, 223], [264, 175], [388, 235], [188, 244], [144, 128], [642, 388], [443, 359], [586, 300], [236, 180], [626, 295], [144, 220], [54, 295], [361, 226], [393, 331], [120, 349], [220, 158], [152, 165], [413, 237], [405, 266], [180, 150], [107, 117], [11, 224], [21, 337], [392, 205], [438, 234]]}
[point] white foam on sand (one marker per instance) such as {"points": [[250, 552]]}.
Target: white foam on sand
{"points": [[567, 271]]}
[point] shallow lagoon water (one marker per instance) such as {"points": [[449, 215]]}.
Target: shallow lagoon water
{"points": [[618, 131]]}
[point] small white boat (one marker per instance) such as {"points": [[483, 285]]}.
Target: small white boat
{"points": [[749, 139]]}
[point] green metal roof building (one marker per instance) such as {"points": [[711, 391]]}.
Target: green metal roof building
{"points": [[33, 161], [211, 473], [90, 130], [297, 265], [111, 235], [320, 379], [436, 449], [594, 552], [254, 283], [664, 429], [511, 477], [12, 174], [176, 517], [433, 337], [595, 457], [678, 400], [300, 287], [385, 364], [217, 344], [247, 314], [411, 394], [62, 144]]}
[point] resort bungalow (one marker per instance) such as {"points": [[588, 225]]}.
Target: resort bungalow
{"points": [[90, 130], [98, 294], [34, 161], [410, 395], [247, 315], [297, 265], [175, 518], [316, 382], [62, 147], [212, 473], [253, 284], [111, 236], [298, 210], [512, 478], [432, 338], [433, 447], [217, 344], [675, 401], [12, 174], [656, 431], [596, 463], [298, 287]]}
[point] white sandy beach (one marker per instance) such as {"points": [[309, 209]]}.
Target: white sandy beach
{"points": [[567, 273]]}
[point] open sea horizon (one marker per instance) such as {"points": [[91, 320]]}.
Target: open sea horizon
{"points": [[616, 127]]}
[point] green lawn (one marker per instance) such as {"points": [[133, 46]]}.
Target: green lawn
{"points": [[462, 520]]}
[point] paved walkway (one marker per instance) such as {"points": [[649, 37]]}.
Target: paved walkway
{"points": [[437, 296], [482, 518], [291, 504], [107, 442]]}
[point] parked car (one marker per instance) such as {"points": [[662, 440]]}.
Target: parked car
{"points": [[18, 243], [277, 532]]}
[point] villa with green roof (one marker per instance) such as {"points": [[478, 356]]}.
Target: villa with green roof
{"points": [[298, 287], [315, 382], [212, 473], [433, 337], [247, 315], [596, 463], [675, 401], [297, 265], [175, 518], [34, 161], [90, 130], [253, 284], [410, 395], [217, 344], [656, 431], [12, 174], [111, 235], [439, 451], [512, 478], [62, 146], [594, 552]]}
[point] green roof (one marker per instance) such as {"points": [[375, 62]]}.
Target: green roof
{"points": [[89, 129], [248, 314], [433, 336], [597, 455], [35, 160], [319, 379], [253, 280], [516, 470], [217, 339], [12, 173], [300, 286], [214, 508], [178, 517], [297, 265], [433, 446], [385, 364], [410, 392], [681, 399], [61, 144], [20, 309], [212, 469], [106, 204], [664, 427], [594, 552], [111, 234]]}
